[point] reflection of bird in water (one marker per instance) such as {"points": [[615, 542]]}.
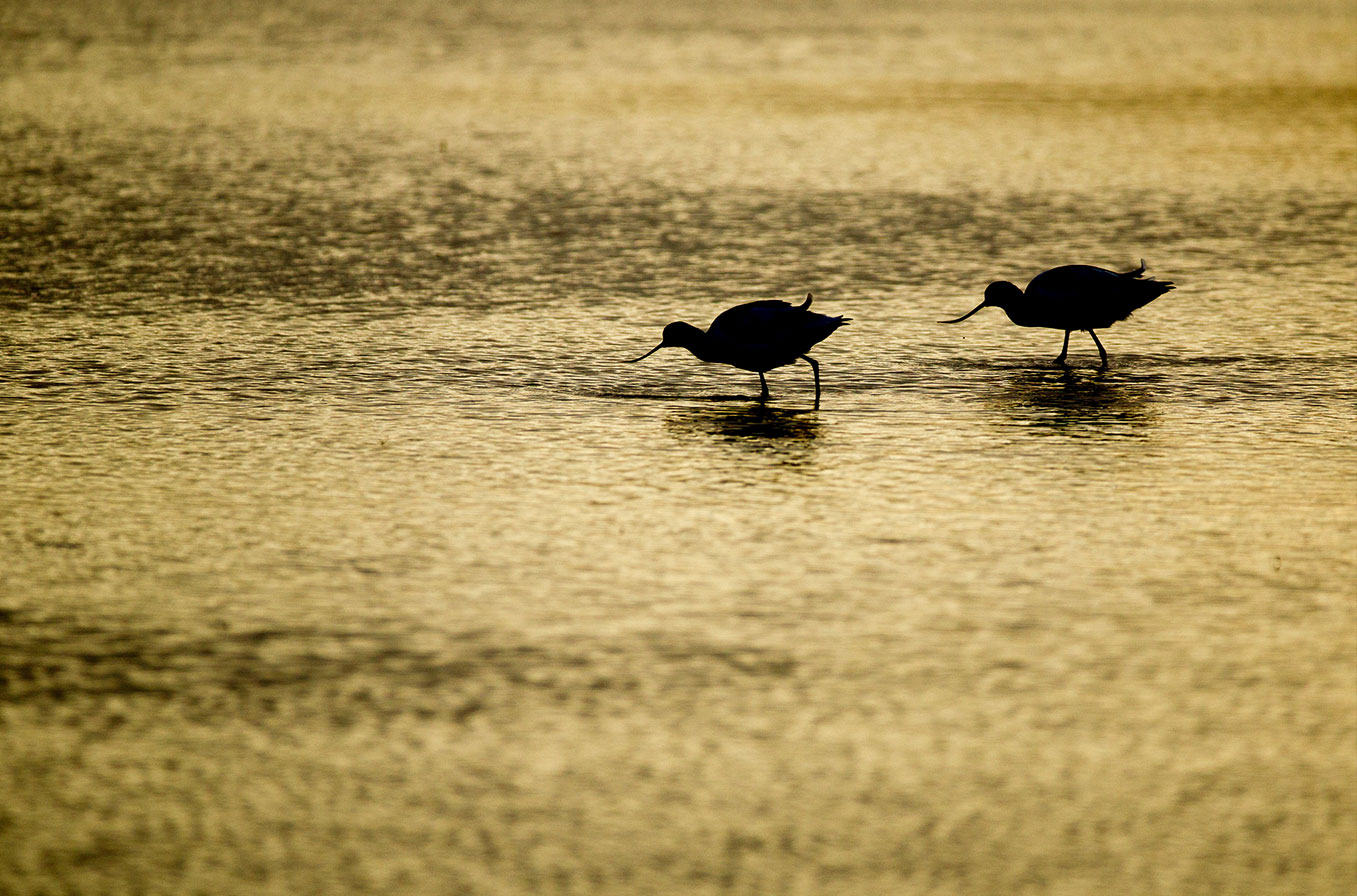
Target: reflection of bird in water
{"points": [[758, 423], [1066, 401], [1073, 297], [756, 336], [784, 435]]}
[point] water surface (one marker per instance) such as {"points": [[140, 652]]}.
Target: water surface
{"points": [[341, 553]]}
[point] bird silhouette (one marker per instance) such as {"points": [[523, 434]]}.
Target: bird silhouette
{"points": [[1073, 297], [756, 336]]}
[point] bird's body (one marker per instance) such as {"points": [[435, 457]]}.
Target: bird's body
{"points": [[1074, 297], [757, 336]]}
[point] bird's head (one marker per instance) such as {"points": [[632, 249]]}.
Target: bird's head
{"points": [[1000, 294], [677, 334]]}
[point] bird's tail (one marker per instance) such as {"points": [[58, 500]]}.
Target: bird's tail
{"points": [[1147, 289], [806, 304]]}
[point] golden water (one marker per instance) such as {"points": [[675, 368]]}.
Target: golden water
{"points": [[342, 554]]}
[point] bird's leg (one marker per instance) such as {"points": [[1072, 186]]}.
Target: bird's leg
{"points": [[763, 396], [1064, 349], [1102, 352], [815, 368]]}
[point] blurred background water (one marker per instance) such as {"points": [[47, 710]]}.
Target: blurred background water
{"points": [[342, 554]]}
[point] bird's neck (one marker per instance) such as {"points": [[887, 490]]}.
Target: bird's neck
{"points": [[1021, 314], [703, 348]]}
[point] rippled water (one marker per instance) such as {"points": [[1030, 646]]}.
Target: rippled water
{"points": [[342, 553]]}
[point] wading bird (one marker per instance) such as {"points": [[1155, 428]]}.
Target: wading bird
{"points": [[1073, 297], [756, 336]]}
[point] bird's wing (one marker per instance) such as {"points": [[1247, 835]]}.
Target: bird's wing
{"points": [[1072, 280], [752, 322], [1065, 297], [1084, 295]]}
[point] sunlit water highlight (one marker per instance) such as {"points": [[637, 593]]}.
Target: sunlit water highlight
{"points": [[342, 553]]}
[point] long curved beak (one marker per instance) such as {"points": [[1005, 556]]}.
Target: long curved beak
{"points": [[964, 316], [647, 354]]}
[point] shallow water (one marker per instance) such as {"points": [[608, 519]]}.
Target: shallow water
{"points": [[342, 553]]}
